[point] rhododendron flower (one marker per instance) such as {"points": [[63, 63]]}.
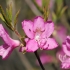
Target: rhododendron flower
{"points": [[38, 33], [64, 55], [9, 43], [45, 59]]}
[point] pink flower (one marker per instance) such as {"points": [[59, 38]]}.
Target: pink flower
{"points": [[38, 33], [65, 60], [64, 55], [61, 33], [39, 2], [45, 59], [9, 43]]}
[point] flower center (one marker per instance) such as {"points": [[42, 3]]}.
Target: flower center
{"points": [[38, 34]]}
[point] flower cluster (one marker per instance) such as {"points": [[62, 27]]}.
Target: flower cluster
{"points": [[38, 34]]}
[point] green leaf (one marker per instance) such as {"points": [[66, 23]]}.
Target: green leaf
{"points": [[46, 9], [45, 3], [7, 22], [9, 12], [59, 5], [16, 17], [2, 17], [54, 17], [63, 10]]}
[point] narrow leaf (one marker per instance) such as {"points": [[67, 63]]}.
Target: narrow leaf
{"points": [[54, 17], [63, 10], [1, 17], [16, 17], [7, 22], [9, 12]]}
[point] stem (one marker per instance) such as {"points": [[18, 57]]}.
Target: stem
{"points": [[19, 36], [37, 56]]}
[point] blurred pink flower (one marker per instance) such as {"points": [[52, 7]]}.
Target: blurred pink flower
{"points": [[38, 33], [45, 59], [39, 2], [9, 43], [65, 60], [64, 54], [61, 32]]}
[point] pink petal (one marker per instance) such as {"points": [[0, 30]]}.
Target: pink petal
{"points": [[61, 33], [31, 46], [65, 60], [28, 28], [68, 42], [5, 51], [60, 55], [26, 40], [65, 49], [45, 59], [4, 35], [9, 41], [50, 44], [21, 49], [39, 2], [49, 28], [9, 45], [38, 23]]}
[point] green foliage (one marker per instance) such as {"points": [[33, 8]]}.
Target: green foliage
{"points": [[59, 4], [1, 17], [9, 12], [63, 10], [45, 3], [60, 10], [5, 18], [15, 18], [54, 17]]}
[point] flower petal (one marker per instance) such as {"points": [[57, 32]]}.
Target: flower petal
{"points": [[68, 41], [39, 2], [5, 51], [4, 35], [65, 60], [65, 49], [61, 33], [50, 44], [31, 46], [38, 23], [9, 41], [26, 40], [45, 59], [28, 28], [49, 28]]}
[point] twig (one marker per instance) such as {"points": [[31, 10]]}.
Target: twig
{"points": [[37, 56]]}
